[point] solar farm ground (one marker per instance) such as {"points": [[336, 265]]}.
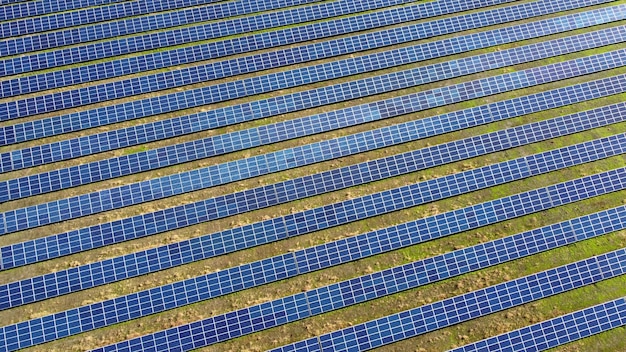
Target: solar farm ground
{"points": [[439, 340]]}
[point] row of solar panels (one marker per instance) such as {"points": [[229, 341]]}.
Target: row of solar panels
{"points": [[237, 323], [368, 335], [45, 248], [127, 26], [191, 54], [282, 80], [605, 147], [69, 208], [101, 50], [36, 8], [323, 299], [64, 150]]}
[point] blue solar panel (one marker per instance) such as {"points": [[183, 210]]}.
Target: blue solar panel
{"points": [[138, 134], [289, 56], [6, 2], [86, 173], [254, 42], [315, 301], [399, 326], [558, 331], [36, 8], [177, 78], [167, 37], [115, 269], [310, 74], [87, 204], [306, 75], [144, 225], [122, 27], [183, 35]]}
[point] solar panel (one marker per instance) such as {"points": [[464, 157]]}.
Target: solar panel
{"points": [[176, 36], [118, 138], [306, 75], [557, 331], [144, 225], [289, 56], [399, 326], [87, 173], [313, 302], [127, 195], [122, 27], [311, 74], [7, 2], [36, 8], [115, 269], [253, 42]]}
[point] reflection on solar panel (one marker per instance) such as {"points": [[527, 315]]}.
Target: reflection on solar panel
{"points": [[558, 331], [35, 8], [306, 304], [287, 56], [410, 323], [79, 278], [184, 35], [125, 26]]}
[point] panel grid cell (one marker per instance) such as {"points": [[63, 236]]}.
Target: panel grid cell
{"points": [[336, 69], [115, 269], [148, 224], [418, 321], [316, 301], [105, 169], [290, 56], [122, 27], [259, 41], [557, 331]]}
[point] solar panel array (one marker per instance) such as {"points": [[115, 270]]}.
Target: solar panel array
{"points": [[120, 138], [267, 195], [183, 35], [306, 75], [429, 317], [58, 283], [74, 176], [81, 206], [290, 308], [420, 101], [557, 331], [302, 164], [125, 26], [253, 42], [35, 8], [339, 46]]}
